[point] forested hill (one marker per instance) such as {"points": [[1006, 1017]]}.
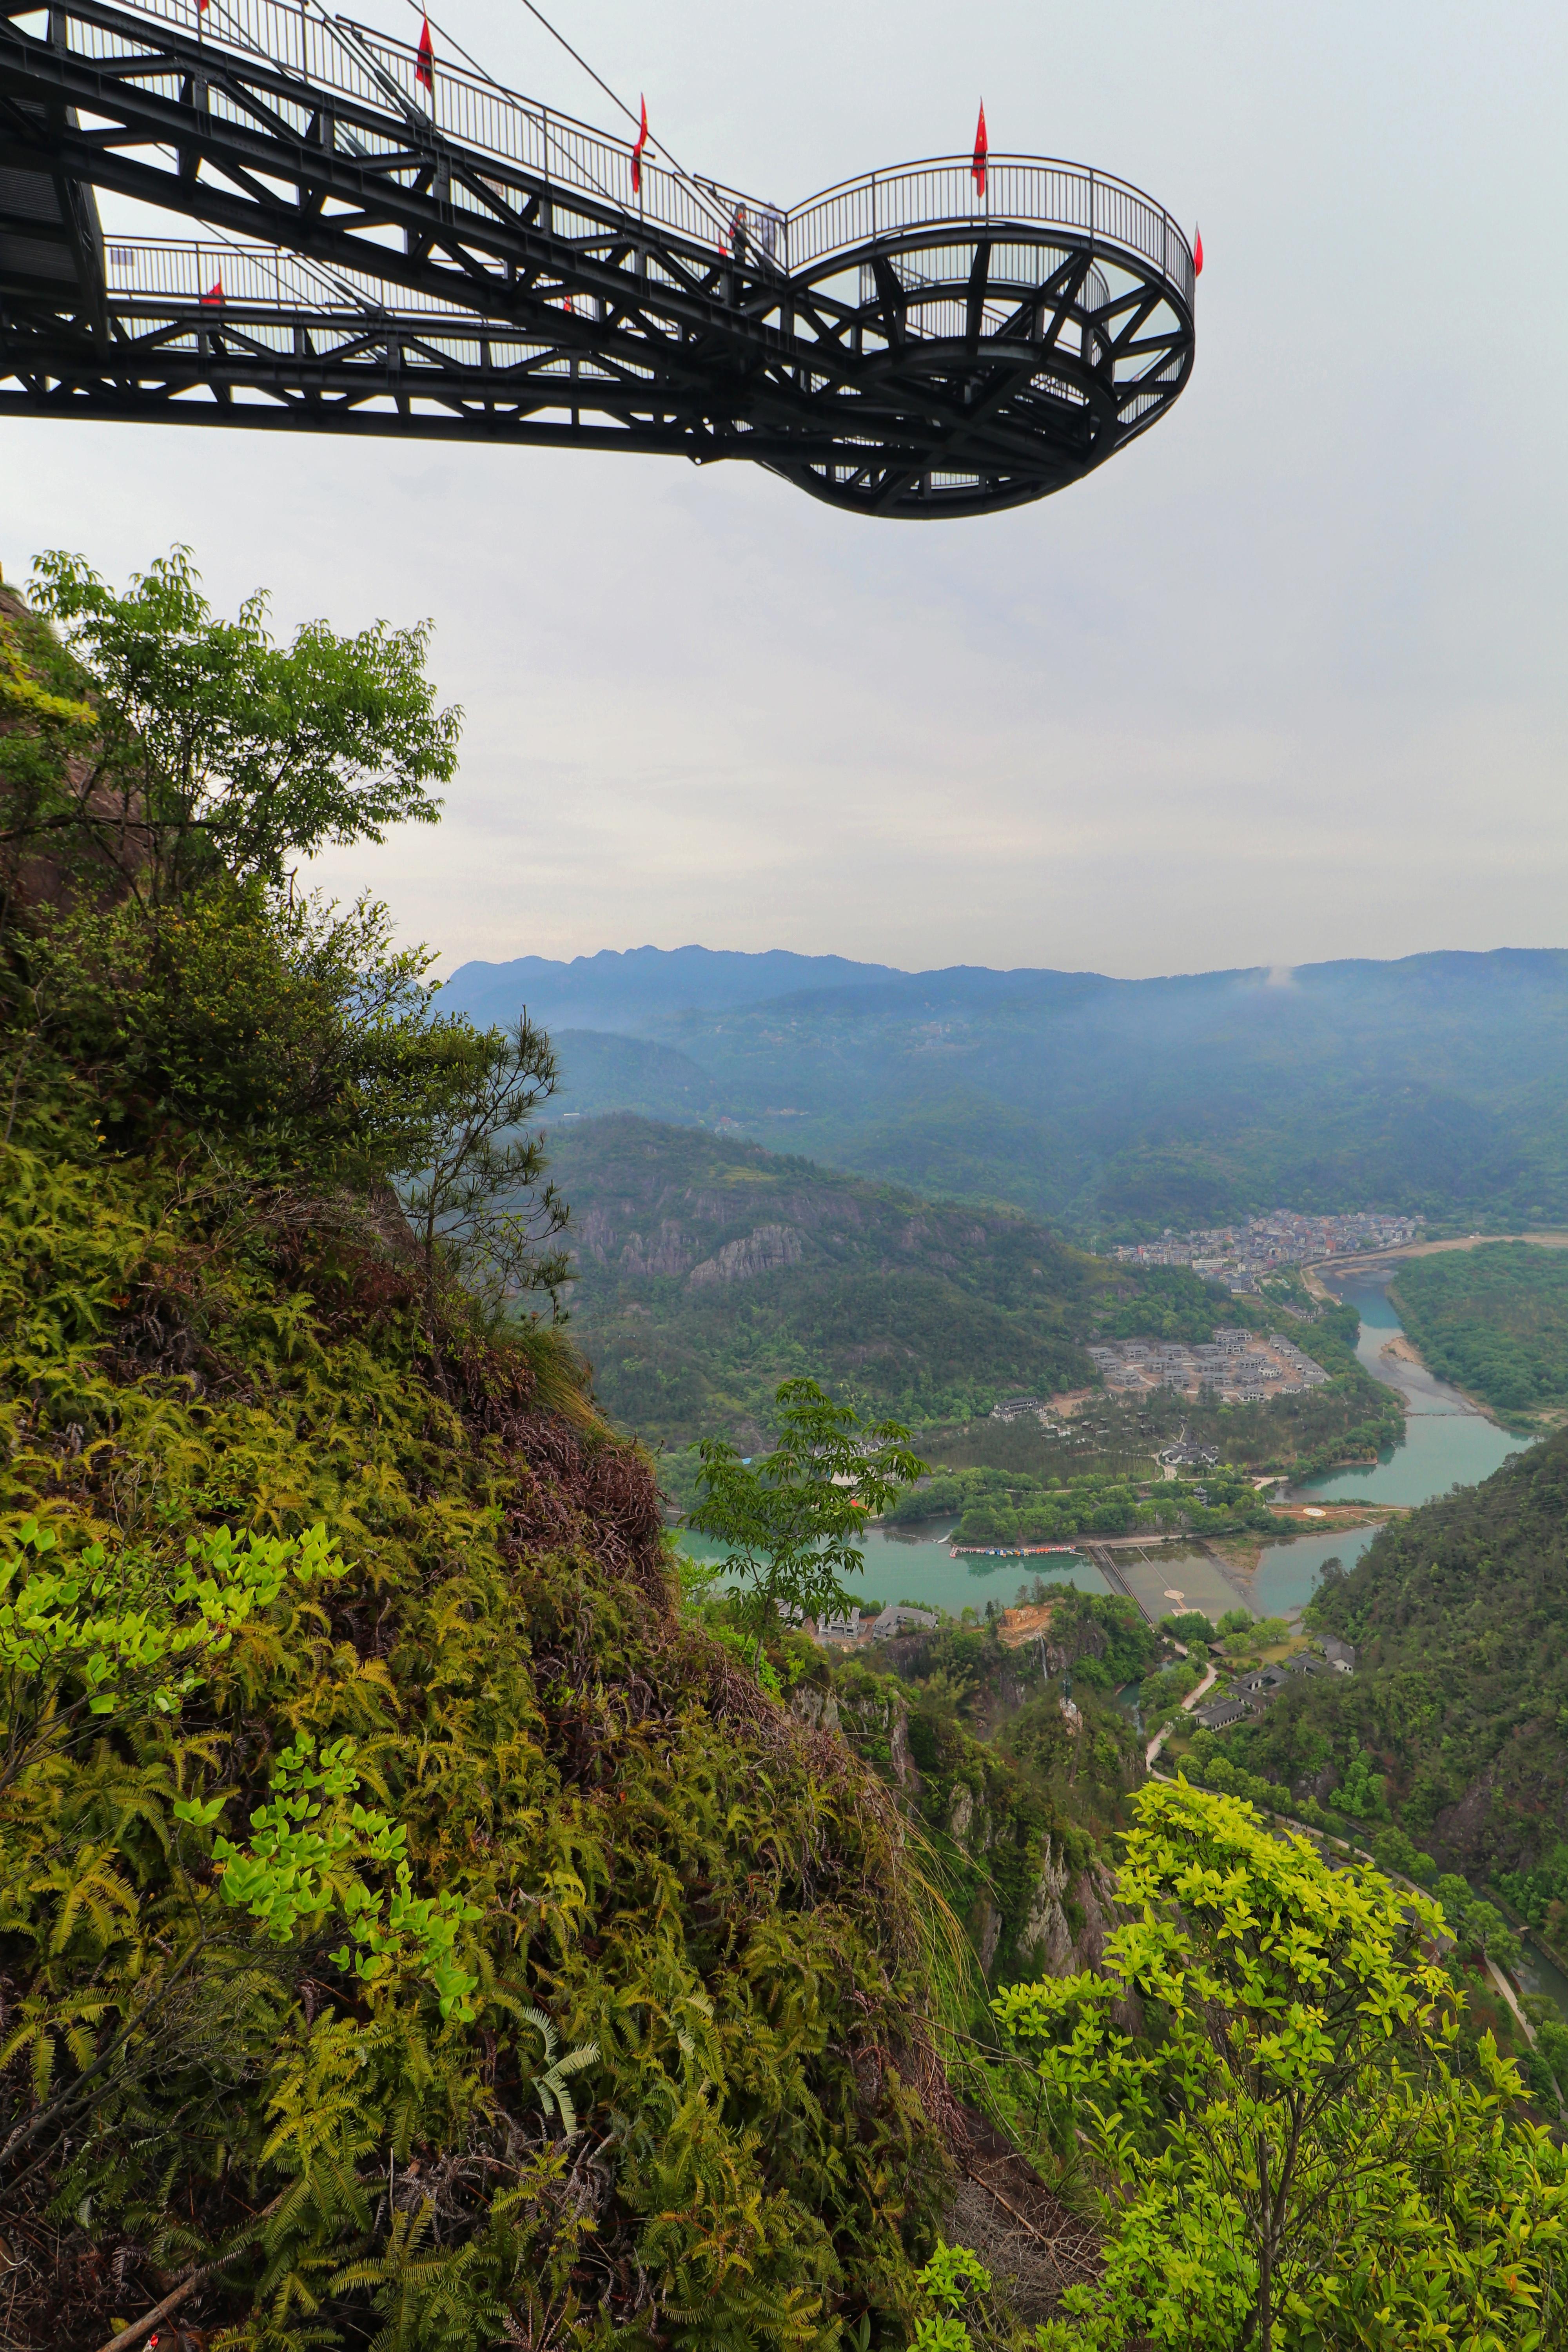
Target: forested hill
{"points": [[1459, 1616], [1495, 1320], [1437, 1085], [709, 1270]]}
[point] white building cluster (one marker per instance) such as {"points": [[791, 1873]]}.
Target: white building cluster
{"points": [[1242, 1255], [1242, 1368]]}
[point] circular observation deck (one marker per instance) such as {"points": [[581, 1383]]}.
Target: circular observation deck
{"points": [[429, 253], [1006, 342]]}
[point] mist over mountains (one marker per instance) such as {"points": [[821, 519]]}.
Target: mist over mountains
{"points": [[1437, 1085]]}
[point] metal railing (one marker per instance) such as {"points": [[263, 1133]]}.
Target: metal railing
{"points": [[372, 68], [941, 193], [185, 270]]}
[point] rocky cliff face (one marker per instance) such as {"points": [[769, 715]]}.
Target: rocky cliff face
{"points": [[1032, 1888], [877, 1724], [1069, 1907], [763, 1251]]}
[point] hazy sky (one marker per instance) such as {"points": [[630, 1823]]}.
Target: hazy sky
{"points": [[1286, 680]]}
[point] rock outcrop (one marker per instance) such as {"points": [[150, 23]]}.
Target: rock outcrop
{"points": [[764, 1251]]}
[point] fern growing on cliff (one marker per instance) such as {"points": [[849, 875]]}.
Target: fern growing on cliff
{"points": [[675, 2082]]}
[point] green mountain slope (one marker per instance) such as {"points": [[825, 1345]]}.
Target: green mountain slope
{"points": [[1495, 1321], [604, 1072], [710, 1270], [1434, 1085], [1459, 1616], [440, 1940]]}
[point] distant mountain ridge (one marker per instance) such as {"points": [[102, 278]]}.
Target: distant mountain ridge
{"points": [[622, 989], [637, 990], [1434, 1085]]}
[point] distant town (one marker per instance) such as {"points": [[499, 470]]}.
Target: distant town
{"points": [[1241, 1255]]}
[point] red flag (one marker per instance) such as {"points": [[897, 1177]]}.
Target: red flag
{"points": [[1198, 253], [202, 7], [636, 152], [425, 63], [215, 291], [982, 149]]}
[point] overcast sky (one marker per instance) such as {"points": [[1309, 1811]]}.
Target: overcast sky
{"points": [[1285, 681]]}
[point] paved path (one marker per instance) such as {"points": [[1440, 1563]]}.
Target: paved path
{"points": [[1188, 1704], [1511, 1997], [1099, 1553]]}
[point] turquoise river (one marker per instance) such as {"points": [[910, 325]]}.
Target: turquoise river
{"points": [[1446, 1443]]}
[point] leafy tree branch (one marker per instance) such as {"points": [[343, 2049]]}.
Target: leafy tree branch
{"points": [[1288, 2133], [90, 1635], [789, 1520], [217, 748]]}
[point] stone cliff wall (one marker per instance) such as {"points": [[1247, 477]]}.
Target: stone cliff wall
{"points": [[1033, 1889]]}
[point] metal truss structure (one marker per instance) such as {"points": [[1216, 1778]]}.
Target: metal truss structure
{"points": [[458, 262]]}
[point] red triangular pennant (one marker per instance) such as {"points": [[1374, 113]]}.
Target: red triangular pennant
{"points": [[424, 62], [215, 291], [982, 149], [1197, 252], [636, 152]]}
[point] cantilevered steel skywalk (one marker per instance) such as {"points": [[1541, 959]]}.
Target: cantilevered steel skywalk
{"points": [[460, 263]]}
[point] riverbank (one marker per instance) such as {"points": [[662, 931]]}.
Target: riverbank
{"points": [[1404, 1350], [1402, 1347], [1245, 1553], [1494, 1321], [1367, 1260]]}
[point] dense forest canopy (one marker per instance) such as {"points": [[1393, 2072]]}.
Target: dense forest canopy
{"points": [[1457, 1612], [708, 1270], [1494, 1320], [1011, 1506]]}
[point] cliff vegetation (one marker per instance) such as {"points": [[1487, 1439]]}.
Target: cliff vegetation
{"points": [[415, 1930]]}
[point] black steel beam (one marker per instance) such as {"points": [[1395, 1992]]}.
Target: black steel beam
{"points": [[554, 304]]}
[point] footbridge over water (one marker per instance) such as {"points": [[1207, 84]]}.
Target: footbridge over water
{"points": [[389, 244]]}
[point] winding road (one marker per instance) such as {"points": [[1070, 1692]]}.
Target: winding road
{"points": [[1188, 1704]]}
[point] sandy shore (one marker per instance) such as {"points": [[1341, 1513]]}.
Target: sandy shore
{"points": [[1404, 1350], [1402, 1347]]}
